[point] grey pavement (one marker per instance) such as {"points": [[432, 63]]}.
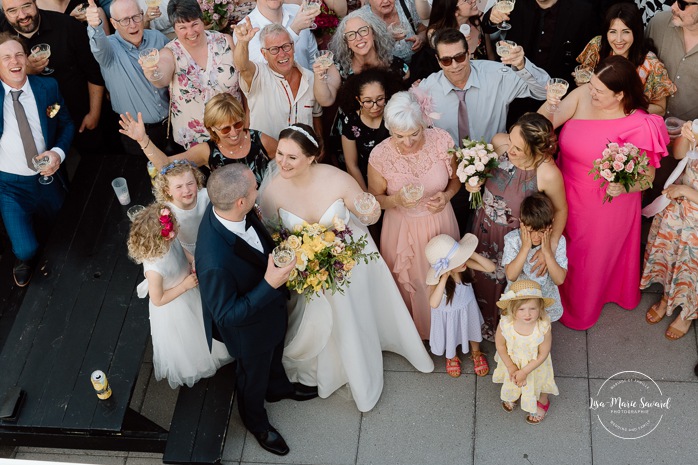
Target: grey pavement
{"points": [[435, 419]]}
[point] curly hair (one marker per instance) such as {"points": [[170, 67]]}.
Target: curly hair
{"points": [[539, 136], [383, 41], [161, 184], [354, 85], [145, 241]]}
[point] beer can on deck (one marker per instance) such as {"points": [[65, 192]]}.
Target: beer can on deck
{"points": [[101, 384]]}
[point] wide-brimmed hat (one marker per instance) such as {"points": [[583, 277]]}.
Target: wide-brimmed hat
{"points": [[445, 254], [523, 289]]}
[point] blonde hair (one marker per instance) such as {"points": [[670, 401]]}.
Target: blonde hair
{"points": [[515, 304], [161, 183], [145, 241], [222, 109]]}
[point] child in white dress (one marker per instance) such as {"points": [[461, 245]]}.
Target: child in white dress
{"points": [[455, 315], [180, 350]]}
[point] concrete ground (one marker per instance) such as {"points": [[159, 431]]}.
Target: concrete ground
{"points": [[435, 419]]}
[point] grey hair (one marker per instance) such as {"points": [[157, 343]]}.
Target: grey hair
{"points": [[383, 41], [184, 11], [116, 3], [229, 184], [272, 29], [403, 113]]}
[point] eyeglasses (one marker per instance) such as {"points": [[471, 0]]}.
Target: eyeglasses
{"points": [[459, 58], [225, 130], [368, 104], [275, 50], [682, 4], [126, 21], [362, 31], [471, 2], [26, 8]]}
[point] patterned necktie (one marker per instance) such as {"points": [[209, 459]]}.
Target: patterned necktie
{"points": [[463, 129], [25, 131]]}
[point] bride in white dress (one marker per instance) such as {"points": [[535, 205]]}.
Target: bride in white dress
{"points": [[337, 339]]}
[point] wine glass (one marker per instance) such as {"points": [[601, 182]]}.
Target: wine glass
{"points": [[506, 7], [151, 57], [134, 211], [412, 192], [582, 74], [283, 255], [39, 165], [556, 88], [313, 6], [397, 30], [694, 128], [41, 51], [504, 48], [325, 58], [365, 203]]}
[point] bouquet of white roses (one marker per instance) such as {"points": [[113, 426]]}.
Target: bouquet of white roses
{"points": [[475, 161]]}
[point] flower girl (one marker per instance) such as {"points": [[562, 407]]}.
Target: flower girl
{"points": [[180, 350]]}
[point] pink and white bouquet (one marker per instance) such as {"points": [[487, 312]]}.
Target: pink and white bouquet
{"points": [[624, 165], [216, 13], [475, 161]]}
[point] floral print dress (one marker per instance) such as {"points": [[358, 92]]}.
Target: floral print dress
{"points": [[192, 87], [671, 257], [366, 138]]}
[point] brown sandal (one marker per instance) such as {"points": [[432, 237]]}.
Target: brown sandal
{"points": [[537, 418], [480, 362], [653, 317], [453, 367], [508, 406]]}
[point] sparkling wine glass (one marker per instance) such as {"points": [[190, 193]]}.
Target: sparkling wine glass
{"points": [[556, 88], [365, 203], [582, 74], [506, 7], [39, 165], [397, 30], [325, 58], [412, 192], [504, 48], [283, 255], [151, 57], [153, 4], [40, 52], [313, 6]]}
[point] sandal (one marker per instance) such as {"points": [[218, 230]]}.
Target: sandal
{"points": [[453, 367], [653, 317], [480, 362], [537, 418], [508, 406], [673, 334]]}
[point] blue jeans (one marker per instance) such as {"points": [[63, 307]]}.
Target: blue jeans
{"points": [[22, 199]]}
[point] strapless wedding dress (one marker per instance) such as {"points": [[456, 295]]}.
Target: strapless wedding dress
{"points": [[338, 339]]}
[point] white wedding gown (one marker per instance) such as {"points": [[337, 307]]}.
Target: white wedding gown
{"points": [[337, 339]]}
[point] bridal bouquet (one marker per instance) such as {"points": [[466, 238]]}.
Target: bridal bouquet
{"points": [[620, 164], [216, 13], [324, 256], [475, 161]]}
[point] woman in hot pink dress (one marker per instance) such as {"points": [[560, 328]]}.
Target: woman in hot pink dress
{"points": [[603, 239], [413, 155]]}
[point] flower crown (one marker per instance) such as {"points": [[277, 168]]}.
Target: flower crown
{"points": [[425, 103], [167, 224], [165, 169]]}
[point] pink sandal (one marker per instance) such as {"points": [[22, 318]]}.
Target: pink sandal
{"points": [[535, 419]]}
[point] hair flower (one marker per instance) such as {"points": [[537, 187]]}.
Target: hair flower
{"points": [[425, 103]]}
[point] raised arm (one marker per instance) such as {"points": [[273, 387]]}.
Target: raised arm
{"points": [[244, 32]]}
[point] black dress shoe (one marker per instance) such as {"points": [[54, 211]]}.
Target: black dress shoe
{"points": [[272, 441], [22, 273], [300, 393]]}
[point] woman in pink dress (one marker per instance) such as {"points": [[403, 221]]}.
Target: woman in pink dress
{"points": [[415, 155], [603, 239]]}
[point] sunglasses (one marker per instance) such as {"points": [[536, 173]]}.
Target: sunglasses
{"points": [[225, 130], [459, 58], [682, 4]]}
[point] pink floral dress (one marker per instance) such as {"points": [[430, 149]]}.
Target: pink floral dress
{"points": [[192, 87], [406, 232]]}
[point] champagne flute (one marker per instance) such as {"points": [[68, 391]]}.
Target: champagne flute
{"points": [[365, 203], [40, 52], [506, 7], [325, 58], [412, 192], [153, 4], [283, 255], [504, 48], [39, 165], [582, 75], [151, 57], [556, 88], [313, 6]]}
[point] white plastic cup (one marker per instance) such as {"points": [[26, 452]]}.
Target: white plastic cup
{"points": [[121, 191]]}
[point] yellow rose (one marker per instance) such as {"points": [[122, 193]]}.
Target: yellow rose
{"points": [[323, 275], [329, 237], [313, 265], [293, 275], [294, 242], [308, 251], [349, 264], [301, 260]]}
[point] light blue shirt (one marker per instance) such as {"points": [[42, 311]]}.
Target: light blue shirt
{"points": [[129, 89], [489, 93]]}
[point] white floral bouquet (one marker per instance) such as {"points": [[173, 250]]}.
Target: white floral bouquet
{"points": [[624, 165], [475, 161]]}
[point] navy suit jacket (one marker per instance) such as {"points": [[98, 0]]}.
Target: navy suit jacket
{"points": [[59, 130], [239, 306]]}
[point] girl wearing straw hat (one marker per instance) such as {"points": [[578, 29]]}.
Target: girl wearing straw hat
{"points": [[455, 316], [523, 341]]}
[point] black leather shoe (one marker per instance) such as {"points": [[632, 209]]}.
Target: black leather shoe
{"points": [[22, 273], [272, 441], [300, 393]]}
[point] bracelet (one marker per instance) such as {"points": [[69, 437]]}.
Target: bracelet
{"points": [[146, 145]]}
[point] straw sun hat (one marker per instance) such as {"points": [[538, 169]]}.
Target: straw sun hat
{"points": [[523, 289], [445, 254]]}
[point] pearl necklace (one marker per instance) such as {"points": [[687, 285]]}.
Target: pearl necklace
{"points": [[234, 149]]}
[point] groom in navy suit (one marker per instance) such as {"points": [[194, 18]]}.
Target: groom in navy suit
{"points": [[34, 124], [244, 299]]}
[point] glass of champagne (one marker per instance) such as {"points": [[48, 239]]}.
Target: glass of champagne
{"points": [[151, 57], [313, 6], [412, 192], [504, 48], [582, 74], [153, 4], [397, 30], [134, 211], [556, 88], [283, 255], [365, 203], [40, 52], [506, 7], [324, 58], [39, 165]]}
